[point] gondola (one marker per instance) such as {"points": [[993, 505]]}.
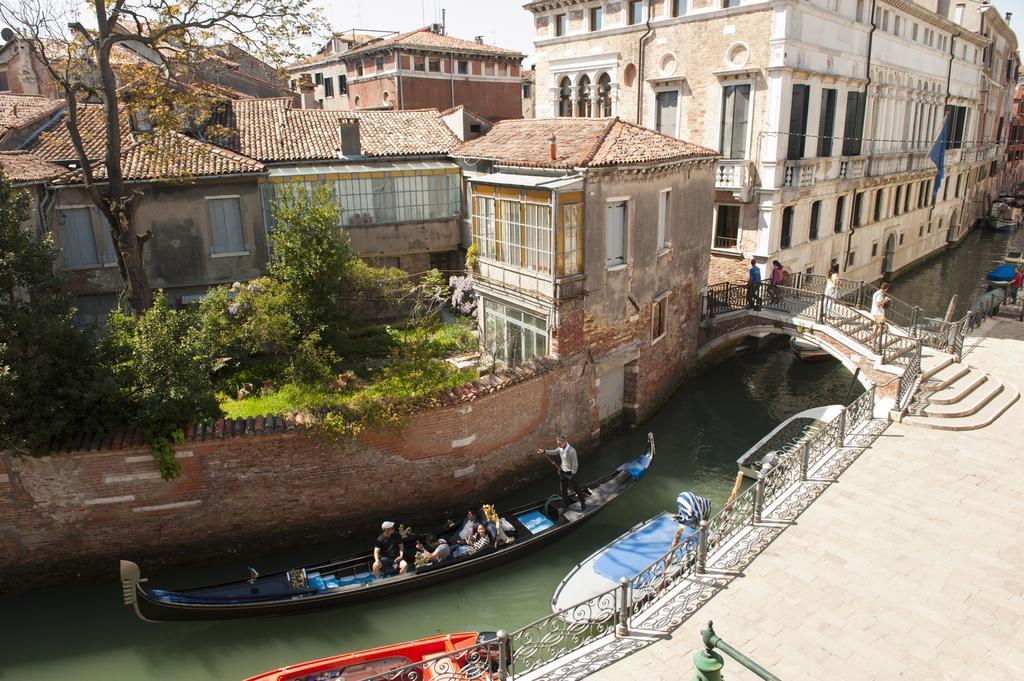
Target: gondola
{"points": [[348, 580], [786, 436], [808, 351]]}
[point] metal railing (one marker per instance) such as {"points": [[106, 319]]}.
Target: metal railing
{"points": [[487, 661], [550, 638], [908, 379]]}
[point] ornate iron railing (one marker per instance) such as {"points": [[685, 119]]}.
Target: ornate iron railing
{"points": [[486, 661], [908, 378], [672, 568], [861, 410]]}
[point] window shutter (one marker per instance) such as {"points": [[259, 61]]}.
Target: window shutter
{"points": [[77, 242], [798, 121], [226, 225], [615, 236]]}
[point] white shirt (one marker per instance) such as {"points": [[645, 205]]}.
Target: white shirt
{"points": [[568, 456], [832, 286], [877, 309]]}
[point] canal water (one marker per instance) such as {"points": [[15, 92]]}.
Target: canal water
{"points": [[83, 632]]}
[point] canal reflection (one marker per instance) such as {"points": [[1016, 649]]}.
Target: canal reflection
{"points": [[83, 632]]}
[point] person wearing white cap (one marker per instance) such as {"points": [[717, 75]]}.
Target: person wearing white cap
{"points": [[388, 551]]}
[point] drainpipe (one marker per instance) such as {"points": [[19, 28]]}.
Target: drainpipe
{"points": [[845, 265], [451, 74], [640, 65], [398, 64]]}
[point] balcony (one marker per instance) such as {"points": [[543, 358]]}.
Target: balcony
{"points": [[852, 168], [800, 173], [898, 163], [734, 175]]}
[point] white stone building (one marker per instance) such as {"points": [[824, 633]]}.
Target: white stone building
{"points": [[823, 110]]}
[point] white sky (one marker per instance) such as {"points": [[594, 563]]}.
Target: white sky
{"points": [[502, 22]]}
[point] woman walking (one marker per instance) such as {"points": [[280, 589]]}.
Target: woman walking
{"points": [[831, 290]]}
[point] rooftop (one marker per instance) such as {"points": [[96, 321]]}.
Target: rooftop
{"points": [[424, 38], [18, 111], [23, 167], [579, 143]]}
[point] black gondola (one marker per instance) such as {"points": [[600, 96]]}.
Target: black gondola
{"points": [[348, 580]]}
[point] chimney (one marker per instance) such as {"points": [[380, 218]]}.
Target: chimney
{"points": [[1009, 15], [553, 147], [308, 90], [479, 39], [348, 136]]}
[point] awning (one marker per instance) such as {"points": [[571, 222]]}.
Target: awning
{"points": [[291, 171], [529, 181]]}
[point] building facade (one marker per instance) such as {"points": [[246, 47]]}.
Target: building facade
{"points": [[421, 69], [823, 113], [1014, 175], [589, 237]]}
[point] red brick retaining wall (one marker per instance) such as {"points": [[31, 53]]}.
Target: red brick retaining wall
{"points": [[72, 514]]}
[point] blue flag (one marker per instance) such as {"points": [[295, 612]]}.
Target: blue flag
{"points": [[938, 155]]}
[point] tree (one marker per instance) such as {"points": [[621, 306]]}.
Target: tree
{"points": [[50, 383], [174, 37]]}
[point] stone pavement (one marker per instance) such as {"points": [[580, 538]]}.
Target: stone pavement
{"points": [[908, 566]]}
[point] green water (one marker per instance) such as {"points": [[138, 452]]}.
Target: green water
{"points": [[84, 633]]}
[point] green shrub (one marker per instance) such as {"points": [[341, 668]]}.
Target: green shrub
{"points": [[313, 364]]}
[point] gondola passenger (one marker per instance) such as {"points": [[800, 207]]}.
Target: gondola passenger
{"points": [[480, 541], [388, 553], [432, 551]]}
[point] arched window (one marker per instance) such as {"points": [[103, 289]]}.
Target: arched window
{"points": [[565, 97], [583, 95], [604, 95]]}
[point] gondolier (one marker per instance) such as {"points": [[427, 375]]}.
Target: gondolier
{"points": [[565, 459]]}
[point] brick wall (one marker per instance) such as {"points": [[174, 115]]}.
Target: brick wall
{"points": [[73, 514]]}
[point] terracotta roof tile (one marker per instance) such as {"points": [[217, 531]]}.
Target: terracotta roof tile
{"points": [[272, 130], [173, 155], [579, 142], [55, 143], [426, 39], [22, 166], [17, 111]]}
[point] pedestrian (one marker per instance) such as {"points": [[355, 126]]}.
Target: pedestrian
{"points": [[1015, 285], [831, 289], [564, 458], [879, 301], [754, 286], [778, 273]]}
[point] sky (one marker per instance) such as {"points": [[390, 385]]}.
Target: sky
{"points": [[501, 22]]}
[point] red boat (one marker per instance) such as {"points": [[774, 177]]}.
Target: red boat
{"points": [[449, 656]]}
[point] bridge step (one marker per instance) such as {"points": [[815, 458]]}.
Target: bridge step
{"points": [[945, 377], [960, 388], [933, 361], [970, 404], [983, 417]]}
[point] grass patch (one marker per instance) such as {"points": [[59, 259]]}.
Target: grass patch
{"points": [[288, 398]]}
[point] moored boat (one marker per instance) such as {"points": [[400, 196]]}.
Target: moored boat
{"points": [[349, 579], [457, 654], [784, 436], [1002, 275], [808, 351]]}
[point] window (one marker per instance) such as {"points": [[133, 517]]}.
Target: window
{"points": [[664, 216], [897, 201], [5, 84], [906, 198], [512, 335], [874, 249], [945, 190], [727, 227], [901, 238], [913, 32], [419, 64], [583, 97], [596, 18], [527, 90], [827, 121], [329, 87], [378, 64], [678, 8], [78, 240], [850, 258], [735, 104], [658, 312], [786, 237], [885, 20], [571, 247], [561, 22], [798, 121], [812, 228], [666, 112], [730, 3], [463, 67], [856, 220], [956, 194], [565, 97], [359, 67], [853, 126], [435, 66], [860, 11], [957, 119], [357, 101], [604, 95], [878, 205], [615, 234], [837, 225], [920, 231], [513, 231], [636, 12], [226, 225], [342, 85], [318, 78], [896, 25]]}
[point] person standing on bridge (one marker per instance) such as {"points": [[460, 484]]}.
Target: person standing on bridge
{"points": [[754, 285], [879, 301], [778, 273], [831, 289]]}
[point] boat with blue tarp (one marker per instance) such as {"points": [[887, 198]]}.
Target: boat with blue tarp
{"points": [[350, 579]]}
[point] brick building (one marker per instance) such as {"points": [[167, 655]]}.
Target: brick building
{"points": [[824, 113], [415, 70], [590, 237]]}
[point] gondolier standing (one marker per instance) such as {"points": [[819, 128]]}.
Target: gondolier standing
{"points": [[564, 458]]}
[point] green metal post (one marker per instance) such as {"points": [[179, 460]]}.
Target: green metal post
{"points": [[709, 664]]}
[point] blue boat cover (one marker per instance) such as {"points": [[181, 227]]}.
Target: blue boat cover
{"points": [[636, 552], [1002, 273], [535, 521], [636, 467]]}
